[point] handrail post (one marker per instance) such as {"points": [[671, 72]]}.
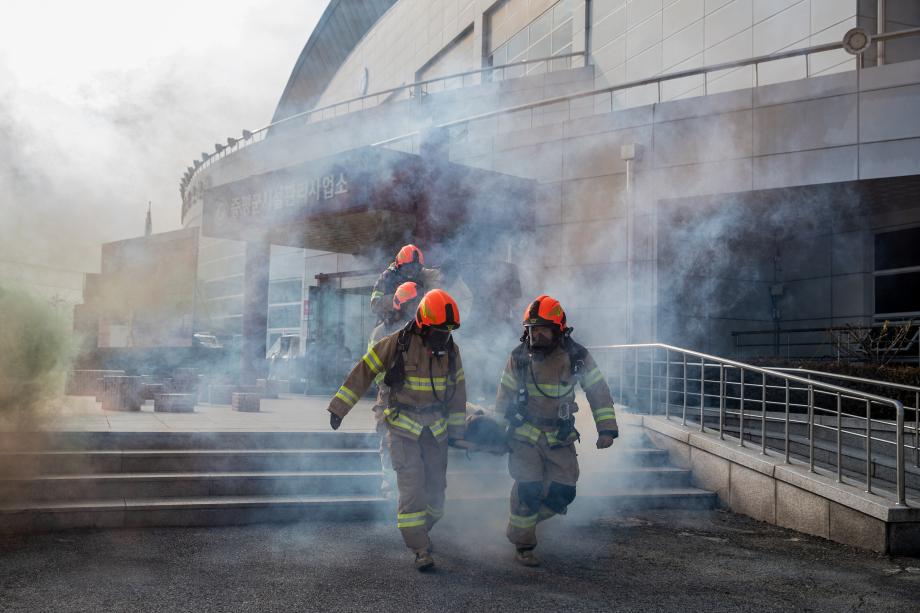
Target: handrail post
{"points": [[869, 446], [684, 414], [763, 415], [702, 394], [721, 402], [839, 438], [651, 381], [667, 384], [899, 452], [741, 414], [811, 428], [917, 426], [786, 442]]}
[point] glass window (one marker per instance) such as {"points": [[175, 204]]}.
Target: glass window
{"points": [[289, 290], [222, 287], [500, 56], [561, 12], [897, 293], [223, 307], [284, 316], [562, 37], [541, 26], [898, 249], [517, 46], [541, 49]]}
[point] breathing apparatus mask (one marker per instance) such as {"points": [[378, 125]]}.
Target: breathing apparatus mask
{"points": [[410, 270], [542, 339], [437, 339]]}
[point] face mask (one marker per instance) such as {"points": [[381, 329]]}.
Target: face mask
{"points": [[410, 270], [541, 338], [436, 339]]}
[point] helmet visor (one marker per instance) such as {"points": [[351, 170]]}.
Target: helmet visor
{"points": [[436, 338], [541, 337]]}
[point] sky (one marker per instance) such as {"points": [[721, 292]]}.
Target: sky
{"points": [[104, 103]]}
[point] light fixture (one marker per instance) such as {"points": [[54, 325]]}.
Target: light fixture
{"points": [[856, 41], [247, 134]]}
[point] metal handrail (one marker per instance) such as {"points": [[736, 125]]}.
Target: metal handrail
{"points": [[416, 86], [660, 376], [658, 79]]}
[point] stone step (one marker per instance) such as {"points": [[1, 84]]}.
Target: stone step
{"points": [[187, 461], [200, 511], [63, 488], [235, 510], [113, 441], [461, 484]]}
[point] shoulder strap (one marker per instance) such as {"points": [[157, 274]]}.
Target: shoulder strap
{"points": [[577, 356], [396, 373]]}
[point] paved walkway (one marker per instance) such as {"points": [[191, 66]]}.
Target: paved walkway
{"points": [[661, 561]]}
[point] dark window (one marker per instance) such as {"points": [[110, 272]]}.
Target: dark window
{"points": [[284, 316], [285, 291], [897, 293], [898, 249]]}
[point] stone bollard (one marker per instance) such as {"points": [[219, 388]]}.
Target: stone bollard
{"points": [[220, 394], [245, 402], [151, 390], [174, 403], [268, 388], [87, 382], [122, 393]]}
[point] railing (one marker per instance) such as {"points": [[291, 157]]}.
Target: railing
{"points": [[847, 432], [608, 105], [830, 342], [417, 90], [884, 388]]}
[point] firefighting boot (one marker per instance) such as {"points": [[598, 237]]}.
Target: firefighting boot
{"points": [[526, 557], [423, 560]]}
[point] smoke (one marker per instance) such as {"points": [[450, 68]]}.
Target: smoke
{"points": [[102, 108], [35, 353]]}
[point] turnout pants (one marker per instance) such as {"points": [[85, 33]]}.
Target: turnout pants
{"points": [[544, 485], [421, 478]]}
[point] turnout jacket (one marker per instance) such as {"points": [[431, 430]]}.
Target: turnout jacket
{"points": [[550, 385], [390, 279], [429, 396]]}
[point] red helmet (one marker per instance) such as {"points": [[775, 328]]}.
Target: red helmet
{"points": [[404, 293], [545, 311], [437, 308], [409, 254]]}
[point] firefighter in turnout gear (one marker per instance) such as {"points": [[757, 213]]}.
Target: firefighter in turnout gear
{"points": [[425, 411], [405, 304], [537, 398], [408, 265]]}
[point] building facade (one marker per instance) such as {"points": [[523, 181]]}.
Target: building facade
{"points": [[710, 211]]}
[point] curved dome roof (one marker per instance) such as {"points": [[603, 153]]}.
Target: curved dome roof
{"points": [[343, 24]]}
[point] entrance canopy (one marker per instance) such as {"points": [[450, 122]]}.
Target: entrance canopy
{"points": [[367, 199]]}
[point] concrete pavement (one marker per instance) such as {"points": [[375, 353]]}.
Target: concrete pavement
{"points": [[654, 561]]}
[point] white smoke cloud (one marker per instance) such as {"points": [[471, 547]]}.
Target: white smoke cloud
{"points": [[104, 104]]}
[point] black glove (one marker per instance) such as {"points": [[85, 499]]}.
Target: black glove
{"points": [[335, 421], [610, 433]]}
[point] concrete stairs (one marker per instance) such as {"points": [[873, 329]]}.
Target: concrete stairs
{"points": [[133, 479]]}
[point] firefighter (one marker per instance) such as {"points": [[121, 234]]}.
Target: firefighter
{"points": [[408, 265], [537, 398], [405, 304], [425, 412]]}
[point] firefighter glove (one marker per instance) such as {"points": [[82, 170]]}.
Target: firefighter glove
{"points": [[335, 421], [605, 438]]}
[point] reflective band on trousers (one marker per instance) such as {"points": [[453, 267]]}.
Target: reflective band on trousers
{"points": [[411, 520], [456, 419], [523, 521], [372, 361], [435, 513], [347, 396], [398, 420]]}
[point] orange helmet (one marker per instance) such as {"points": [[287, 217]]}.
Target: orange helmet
{"points": [[545, 311], [437, 308], [404, 293], [409, 254]]}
